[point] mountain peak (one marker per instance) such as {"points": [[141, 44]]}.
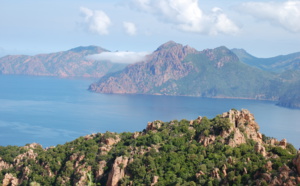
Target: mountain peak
{"points": [[168, 45], [91, 48]]}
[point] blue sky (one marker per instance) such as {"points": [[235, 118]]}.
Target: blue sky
{"points": [[263, 28]]}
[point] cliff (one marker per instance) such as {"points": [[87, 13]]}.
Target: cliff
{"points": [[71, 63], [225, 150]]}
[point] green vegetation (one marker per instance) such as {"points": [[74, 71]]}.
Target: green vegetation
{"points": [[170, 151]]}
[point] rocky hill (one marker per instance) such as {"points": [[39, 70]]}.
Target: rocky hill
{"points": [[71, 63], [225, 150], [174, 69]]}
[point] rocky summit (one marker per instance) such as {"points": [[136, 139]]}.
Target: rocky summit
{"points": [[225, 150]]}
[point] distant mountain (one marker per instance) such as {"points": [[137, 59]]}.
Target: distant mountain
{"points": [[67, 63], [225, 150], [174, 69], [274, 64]]}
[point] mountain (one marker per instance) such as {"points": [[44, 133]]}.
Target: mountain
{"points": [[274, 64], [67, 63], [179, 70], [225, 150], [287, 68]]}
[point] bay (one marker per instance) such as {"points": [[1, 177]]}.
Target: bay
{"points": [[52, 111]]}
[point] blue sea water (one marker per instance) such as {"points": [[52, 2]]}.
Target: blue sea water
{"points": [[51, 111]]}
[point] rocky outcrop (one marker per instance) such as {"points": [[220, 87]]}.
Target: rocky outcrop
{"points": [[206, 140], [283, 143], [10, 180], [118, 171], [100, 171], [153, 126], [30, 154], [260, 149], [215, 173], [33, 146], [4, 165], [296, 162], [238, 138], [245, 121], [243, 127], [108, 142]]}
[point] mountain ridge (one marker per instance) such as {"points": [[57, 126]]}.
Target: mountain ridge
{"points": [[70, 63]]}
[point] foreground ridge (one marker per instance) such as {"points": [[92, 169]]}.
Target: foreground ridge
{"points": [[225, 150]]}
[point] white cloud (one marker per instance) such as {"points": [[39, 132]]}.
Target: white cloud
{"points": [[187, 16], [120, 57], [95, 21], [130, 28], [284, 14]]}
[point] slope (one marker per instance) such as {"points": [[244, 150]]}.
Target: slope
{"points": [[274, 64]]}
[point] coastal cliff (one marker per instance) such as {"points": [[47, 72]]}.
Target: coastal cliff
{"points": [[225, 150]]}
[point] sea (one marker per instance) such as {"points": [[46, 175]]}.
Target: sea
{"points": [[52, 111]]}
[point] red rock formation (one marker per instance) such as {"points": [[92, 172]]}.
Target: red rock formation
{"points": [[4, 165], [10, 180], [118, 171], [206, 140], [100, 170], [153, 126], [296, 162]]}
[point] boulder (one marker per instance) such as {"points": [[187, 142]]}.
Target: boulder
{"points": [[259, 148], [283, 143], [154, 180]]}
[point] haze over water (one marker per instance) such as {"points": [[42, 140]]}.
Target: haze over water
{"points": [[53, 111]]}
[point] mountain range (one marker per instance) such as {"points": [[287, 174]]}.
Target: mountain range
{"points": [[71, 63], [174, 69]]}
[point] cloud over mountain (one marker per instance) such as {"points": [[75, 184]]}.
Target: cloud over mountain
{"points": [[95, 21], [120, 57], [187, 16], [130, 28], [284, 14]]}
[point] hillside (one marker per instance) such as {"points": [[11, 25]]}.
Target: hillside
{"points": [[179, 70], [225, 150], [71, 63], [273, 64]]}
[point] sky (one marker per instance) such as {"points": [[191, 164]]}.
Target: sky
{"points": [[263, 28]]}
